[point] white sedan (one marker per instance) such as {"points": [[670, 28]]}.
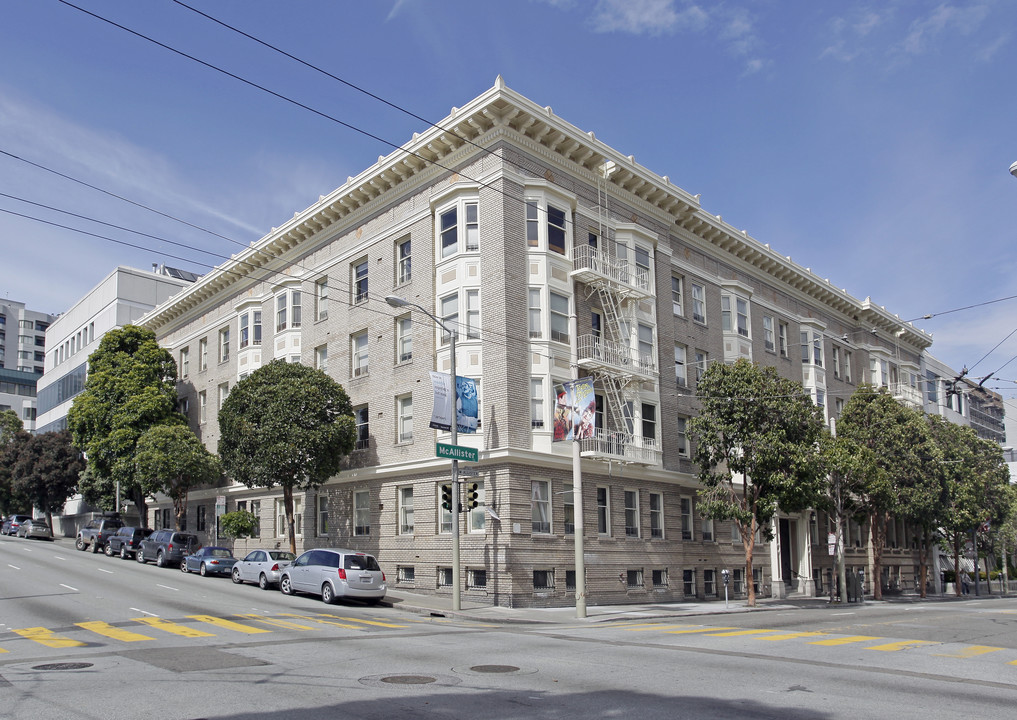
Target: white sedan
{"points": [[262, 567]]}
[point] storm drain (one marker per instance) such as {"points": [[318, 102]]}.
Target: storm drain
{"points": [[408, 679], [63, 666], [494, 668]]}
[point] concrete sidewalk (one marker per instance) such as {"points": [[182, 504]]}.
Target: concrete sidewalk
{"points": [[441, 606]]}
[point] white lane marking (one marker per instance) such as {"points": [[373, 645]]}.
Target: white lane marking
{"points": [[851, 613], [167, 587], [59, 557], [143, 612], [13, 566], [109, 572], [69, 587]]}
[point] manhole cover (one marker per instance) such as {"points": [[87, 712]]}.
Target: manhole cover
{"points": [[408, 679], [63, 666], [494, 668]]}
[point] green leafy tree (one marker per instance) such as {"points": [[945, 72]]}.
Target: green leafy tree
{"points": [[757, 439], [285, 424], [976, 481], [239, 523], [47, 471], [847, 465], [898, 439], [171, 459], [131, 387], [12, 438]]}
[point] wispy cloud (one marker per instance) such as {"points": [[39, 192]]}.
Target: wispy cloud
{"points": [[650, 17], [944, 19], [847, 33]]}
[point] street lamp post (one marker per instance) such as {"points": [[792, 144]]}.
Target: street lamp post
{"points": [[398, 302]]}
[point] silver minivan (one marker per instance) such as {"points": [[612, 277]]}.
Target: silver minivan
{"points": [[335, 574]]}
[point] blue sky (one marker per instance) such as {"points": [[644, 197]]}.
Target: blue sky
{"points": [[870, 141]]}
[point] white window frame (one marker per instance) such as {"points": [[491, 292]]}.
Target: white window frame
{"points": [[321, 298], [404, 339], [185, 362], [631, 499], [682, 435], [250, 329], [457, 227], [359, 354], [769, 339], [405, 497], [362, 419], [556, 316], [534, 313], [698, 303], [404, 418], [321, 357], [537, 419], [656, 516], [202, 407], [362, 512], [404, 261], [540, 506], [782, 335], [568, 499], [322, 515], [359, 271], [680, 365], [688, 526], [223, 393], [677, 286], [203, 354]]}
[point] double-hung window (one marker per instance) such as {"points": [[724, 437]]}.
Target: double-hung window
{"points": [[569, 505], [533, 312], [555, 230], [702, 358], [358, 354], [656, 516], [686, 509], [323, 514], [404, 418], [698, 303], [224, 344], [472, 314], [768, 336], [362, 512], [404, 268], [404, 339], [559, 317], [321, 299], [406, 510], [361, 418], [603, 511], [812, 347], [459, 222], [203, 354], [546, 223], [321, 358], [649, 423], [250, 328], [734, 313], [449, 317], [631, 513], [287, 311], [185, 362], [676, 295], [536, 402], [681, 434], [540, 505], [358, 281], [680, 371]]}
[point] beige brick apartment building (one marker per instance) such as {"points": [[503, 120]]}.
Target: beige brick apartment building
{"points": [[505, 219]]}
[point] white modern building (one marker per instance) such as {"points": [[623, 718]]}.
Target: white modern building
{"points": [[22, 358]]}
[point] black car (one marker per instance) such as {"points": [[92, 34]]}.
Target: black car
{"points": [[126, 540], [166, 547]]}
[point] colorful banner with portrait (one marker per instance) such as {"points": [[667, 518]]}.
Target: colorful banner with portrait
{"points": [[466, 403], [575, 410]]}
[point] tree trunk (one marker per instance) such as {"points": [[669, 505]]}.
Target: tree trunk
{"points": [[748, 541], [956, 565], [180, 510], [923, 563], [877, 533], [290, 528], [838, 529]]}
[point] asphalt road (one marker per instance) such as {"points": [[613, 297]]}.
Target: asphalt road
{"points": [[85, 636]]}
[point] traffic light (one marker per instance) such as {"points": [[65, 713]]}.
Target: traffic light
{"points": [[471, 495], [446, 497]]}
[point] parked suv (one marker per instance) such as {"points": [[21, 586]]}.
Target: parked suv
{"points": [[125, 541], [335, 574], [97, 532], [166, 547]]}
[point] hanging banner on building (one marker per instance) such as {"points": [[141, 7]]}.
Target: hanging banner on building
{"points": [[466, 405], [575, 410]]}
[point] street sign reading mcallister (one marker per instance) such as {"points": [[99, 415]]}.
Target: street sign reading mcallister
{"points": [[456, 452]]}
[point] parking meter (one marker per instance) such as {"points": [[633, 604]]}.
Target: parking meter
{"points": [[861, 585], [726, 575]]}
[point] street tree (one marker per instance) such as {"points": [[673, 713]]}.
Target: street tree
{"points": [[47, 470], [131, 387], [976, 481], [757, 438], [238, 524], [847, 465], [288, 425], [898, 439], [12, 438], [171, 459]]}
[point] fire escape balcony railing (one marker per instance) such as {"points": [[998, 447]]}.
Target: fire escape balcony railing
{"points": [[592, 266], [600, 354], [621, 446]]}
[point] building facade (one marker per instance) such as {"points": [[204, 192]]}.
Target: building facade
{"points": [[536, 241], [22, 358]]}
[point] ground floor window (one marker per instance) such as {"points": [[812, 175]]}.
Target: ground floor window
{"points": [[476, 578], [543, 579], [634, 579], [444, 577], [689, 582], [405, 574], [570, 580], [710, 583], [659, 578]]}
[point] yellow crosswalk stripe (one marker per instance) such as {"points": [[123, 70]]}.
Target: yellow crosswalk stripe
{"points": [[845, 640], [4, 651], [322, 620], [901, 645], [697, 630], [365, 622], [229, 624], [972, 651], [174, 628], [792, 636], [736, 633], [104, 628], [276, 621], [48, 638]]}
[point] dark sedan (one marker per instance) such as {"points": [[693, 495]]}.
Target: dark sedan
{"points": [[209, 561]]}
